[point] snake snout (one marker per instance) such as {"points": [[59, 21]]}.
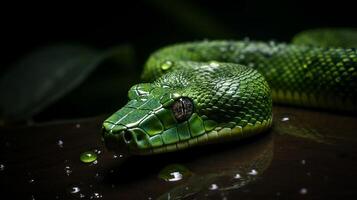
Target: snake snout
{"points": [[115, 137]]}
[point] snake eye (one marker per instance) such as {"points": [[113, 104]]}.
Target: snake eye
{"points": [[182, 109]]}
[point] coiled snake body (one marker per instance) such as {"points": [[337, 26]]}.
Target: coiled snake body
{"points": [[212, 91]]}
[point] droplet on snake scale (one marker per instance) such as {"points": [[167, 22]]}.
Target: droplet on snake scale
{"points": [[214, 64], [166, 65]]}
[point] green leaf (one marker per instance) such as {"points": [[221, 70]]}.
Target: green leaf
{"points": [[47, 74]]}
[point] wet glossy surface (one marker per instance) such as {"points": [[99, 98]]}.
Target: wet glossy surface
{"points": [[307, 155]]}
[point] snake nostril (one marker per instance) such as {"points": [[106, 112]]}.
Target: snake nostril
{"points": [[127, 136]]}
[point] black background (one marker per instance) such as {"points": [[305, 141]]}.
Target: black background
{"points": [[149, 24]]}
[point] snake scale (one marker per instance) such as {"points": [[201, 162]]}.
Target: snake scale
{"points": [[212, 91]]}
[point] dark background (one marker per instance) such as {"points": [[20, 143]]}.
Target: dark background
{"points": [[145, 26], [150, 24]]}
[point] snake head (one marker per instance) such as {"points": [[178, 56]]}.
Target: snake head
{"points": [[188, 107], [155, 120]]}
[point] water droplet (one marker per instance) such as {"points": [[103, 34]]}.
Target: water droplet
{"points": [[88, 157], [213, 187], [68, 170], [214, 64], [97, 151], [78, 125], [74, 189], [31, 180], [166, 65], [94, 162], [176, 176], [237, 176], [253, 172], [285, 119], [60, 143], [96, 195], [2, 167], [303, 162], [303, 191], [174, 172]]}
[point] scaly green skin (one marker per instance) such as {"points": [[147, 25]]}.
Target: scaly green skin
{"points": [[231, 101]]}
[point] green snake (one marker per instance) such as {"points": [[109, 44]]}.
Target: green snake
{"points": [[212, 91]]}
